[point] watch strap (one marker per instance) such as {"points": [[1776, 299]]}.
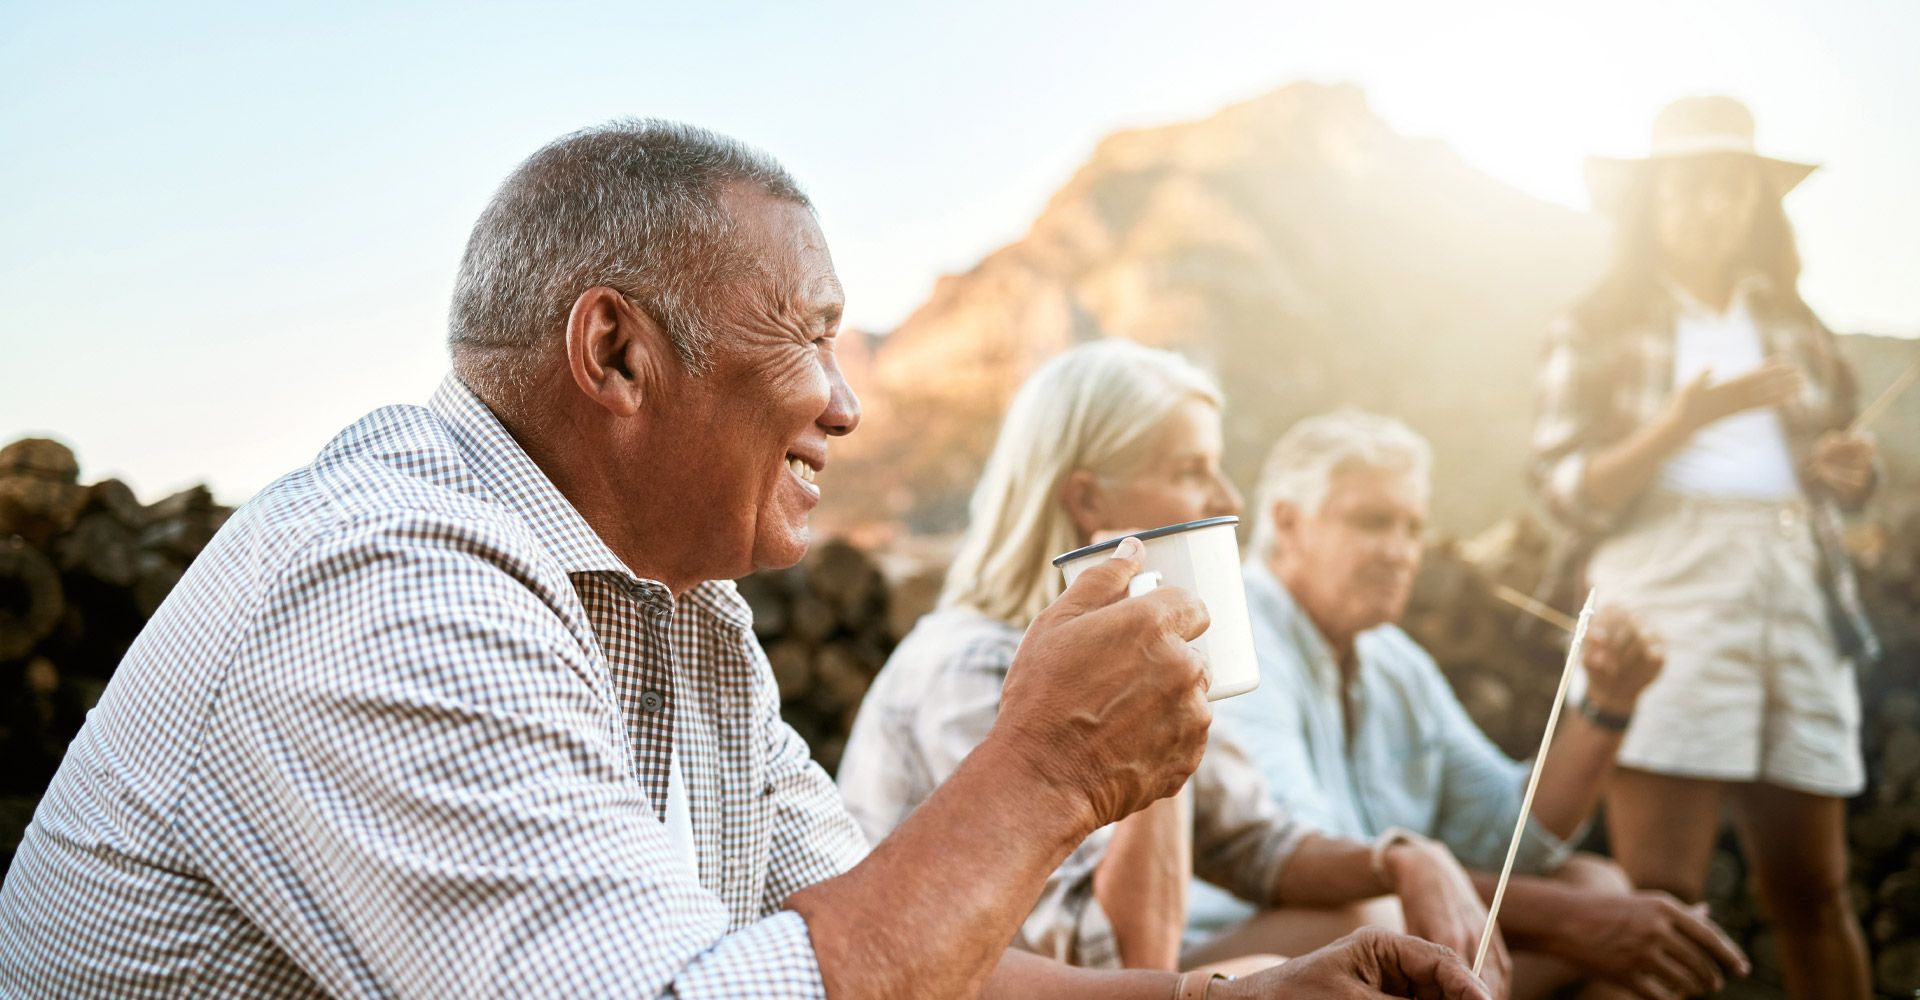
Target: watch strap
{"points": [[1612, 722], [1195, 985]]}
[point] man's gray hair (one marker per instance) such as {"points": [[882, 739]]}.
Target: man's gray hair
{"points": [[635, 205], [1301, 466]]}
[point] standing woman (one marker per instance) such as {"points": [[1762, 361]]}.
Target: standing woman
{"points": [[1693, 431]]}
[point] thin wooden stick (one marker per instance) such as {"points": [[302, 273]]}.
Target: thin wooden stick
{"points": [[1545, 612], [1885, 400], [1533, 780]]}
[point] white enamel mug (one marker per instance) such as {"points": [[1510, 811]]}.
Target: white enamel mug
{"points": [[1203, 558]]}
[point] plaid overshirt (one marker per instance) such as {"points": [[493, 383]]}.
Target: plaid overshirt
{"points": [[1598, 386], [404, 730]]}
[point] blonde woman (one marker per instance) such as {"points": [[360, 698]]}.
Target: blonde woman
{"points": [[1112, 437]]}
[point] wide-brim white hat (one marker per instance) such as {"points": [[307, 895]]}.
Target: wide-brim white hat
{"points": [[1692, 126]]}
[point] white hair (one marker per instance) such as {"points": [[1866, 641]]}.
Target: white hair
{"points": [[1093, 408], [635, 205], [1300, 469]]}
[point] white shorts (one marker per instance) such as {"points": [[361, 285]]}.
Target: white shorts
{"points": [[1754, 688]]}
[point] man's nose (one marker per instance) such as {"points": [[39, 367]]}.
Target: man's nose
{"points": [[1405, 547], [842, 414]]}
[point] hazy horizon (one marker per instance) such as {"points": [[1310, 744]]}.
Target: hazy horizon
{"points": [[232, 231]]}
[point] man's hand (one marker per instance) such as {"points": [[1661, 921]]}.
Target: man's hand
{"points": [[1650, 943], [1439, 903], [1843, 463], [1703, 401], [1105, 700], [1364, 965], [1621, 660]]}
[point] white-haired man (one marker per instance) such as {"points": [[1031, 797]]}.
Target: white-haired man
{"points": [[469, 707], [1359, 734]]}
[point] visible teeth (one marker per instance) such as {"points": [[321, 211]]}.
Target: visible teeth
{"points": [[801, 469]]}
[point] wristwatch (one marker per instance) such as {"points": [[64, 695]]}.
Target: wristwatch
{"points": [[1378, 855], [1612, 722]]}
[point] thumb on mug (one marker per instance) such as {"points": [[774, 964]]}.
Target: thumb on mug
{"points": [[1106, 583]]}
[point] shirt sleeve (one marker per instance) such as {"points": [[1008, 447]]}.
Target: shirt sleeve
{"points": [[1242, 838], [1268, 727], [814, 838], [1570, 402], [415, 784], [1067, 922], [1481, 789]]}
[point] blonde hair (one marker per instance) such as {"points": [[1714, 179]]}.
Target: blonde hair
{"points": [[1301, 466], [1091, 408]]}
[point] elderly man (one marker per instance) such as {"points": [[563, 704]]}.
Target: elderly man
{"points": [[1359, 734], [467, 707]]}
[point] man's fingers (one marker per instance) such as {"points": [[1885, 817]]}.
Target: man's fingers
{"points": [[1445, 933], [1424, 967], [1708, 935], [1678, 968], [1703, 975], [1180, 611], [1652, 987], [1104, 584]]}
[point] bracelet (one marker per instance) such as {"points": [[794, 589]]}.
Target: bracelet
{"points": [[1377, 856], [1195, 985], [1612, 722]]}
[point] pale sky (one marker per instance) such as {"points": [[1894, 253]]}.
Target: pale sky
{"points": [[226, 232]]}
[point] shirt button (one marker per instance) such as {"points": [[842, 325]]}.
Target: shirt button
{"points": [[651, 701]]}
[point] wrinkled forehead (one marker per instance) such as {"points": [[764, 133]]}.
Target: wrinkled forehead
{"points": [[781, 249], [1358, 483]]}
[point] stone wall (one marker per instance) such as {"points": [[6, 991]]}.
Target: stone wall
{"points": [[83, 566]]}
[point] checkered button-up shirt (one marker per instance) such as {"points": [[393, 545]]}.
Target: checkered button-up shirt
{"points": [[404, 729]]}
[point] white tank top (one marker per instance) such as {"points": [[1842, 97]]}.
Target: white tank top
{"points": [[1744, 456]]}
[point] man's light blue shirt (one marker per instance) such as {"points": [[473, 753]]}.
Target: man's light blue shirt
{"points": [[1414, 759]]}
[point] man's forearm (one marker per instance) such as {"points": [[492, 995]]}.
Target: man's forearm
{"points": [[1328, 871], [1021, 976], [1533, 911], [930, 911]]}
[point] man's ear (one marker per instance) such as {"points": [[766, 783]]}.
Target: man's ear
{"points": [[616, 353], [1085, 501], [1284, 517]]}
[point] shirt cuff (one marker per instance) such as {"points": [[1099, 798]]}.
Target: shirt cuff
{"points": [[1542, 853], [773, 957], [1261, 885]]}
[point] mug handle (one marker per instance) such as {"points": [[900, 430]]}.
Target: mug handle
{"points": [[1143, 583]]}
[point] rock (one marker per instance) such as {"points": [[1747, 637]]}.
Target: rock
{"points": [[31, 598], [792, 662], [811, 618], [41, 458]]}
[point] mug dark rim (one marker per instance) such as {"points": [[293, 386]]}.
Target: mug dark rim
{"points": [[1171, 529]]}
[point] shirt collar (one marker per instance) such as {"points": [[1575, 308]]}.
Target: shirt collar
{"points": [[499, 462], [506, 469], [1266, 591]]}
